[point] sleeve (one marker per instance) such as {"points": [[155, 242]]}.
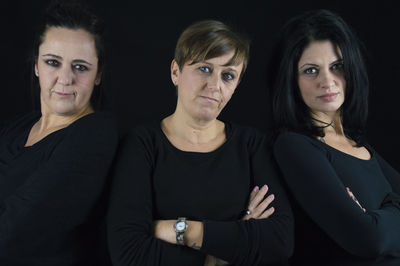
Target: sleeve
{"points": [[130, 215], [319, 191], [390, 173], [60, 195], [255, 241]]}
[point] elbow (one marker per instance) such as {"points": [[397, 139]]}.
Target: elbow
{"points": [[372, 244], [280, 251]]}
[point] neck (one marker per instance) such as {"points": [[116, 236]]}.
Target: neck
{"points": [[331, 123], [49, 121], [192, 131]]}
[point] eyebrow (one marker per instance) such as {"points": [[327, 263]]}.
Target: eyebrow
{"points": [[340, 60], [232, 69], [308, 64], [228, 66], [75, 60]]}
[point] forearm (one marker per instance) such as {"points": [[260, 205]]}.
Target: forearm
{"points": [[193, 236]]}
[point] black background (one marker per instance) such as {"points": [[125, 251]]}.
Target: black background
{"points": [[141, 37]]}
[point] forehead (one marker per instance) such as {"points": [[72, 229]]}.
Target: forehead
{"points": [[321, 51], [74, 43], [225, 60]]}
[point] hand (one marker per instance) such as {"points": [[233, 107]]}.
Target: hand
{"points": [[258, 205], [354, 198]]}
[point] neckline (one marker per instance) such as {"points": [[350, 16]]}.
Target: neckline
{"points": [[371, 153], [49, 136], [228, 135]]}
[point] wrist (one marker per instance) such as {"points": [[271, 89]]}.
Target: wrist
{"points": [[180, 227], [194, 234]]}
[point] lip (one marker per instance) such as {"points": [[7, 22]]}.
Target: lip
{"points": [[329, 97], [63, 94], [210, 99]]}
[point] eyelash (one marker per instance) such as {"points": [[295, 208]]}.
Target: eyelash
{"points": [[226, 76], [334, 67], [77, 67]]}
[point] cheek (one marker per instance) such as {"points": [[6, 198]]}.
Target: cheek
{"points": [[85, 83]]}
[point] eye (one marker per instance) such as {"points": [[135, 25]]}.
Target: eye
{"points": [[337, 66], [80, 68], [205, 69], [52, 62], [311, 71], [228, 76]]}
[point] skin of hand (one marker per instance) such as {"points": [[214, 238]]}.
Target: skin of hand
{"points": [[258, 205], [163, 229], [354, 198], [258, 210]]}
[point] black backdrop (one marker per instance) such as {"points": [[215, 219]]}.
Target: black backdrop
{"points": [[141, 39]]}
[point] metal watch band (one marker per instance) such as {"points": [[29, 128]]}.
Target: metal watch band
{"points": [[180, 233]]}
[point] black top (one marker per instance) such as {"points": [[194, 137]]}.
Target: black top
{"points": [[330, 226], [155, 180], [51, 193]]}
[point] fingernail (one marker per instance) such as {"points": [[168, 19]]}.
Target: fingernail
{"points": [[272, 196], [255, 188], [265, 187]]}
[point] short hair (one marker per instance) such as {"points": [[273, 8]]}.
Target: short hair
{"points": [[72, 15], [289, 110], [209, 39]]}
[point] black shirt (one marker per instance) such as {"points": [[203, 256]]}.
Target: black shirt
{"points": [[51, 193], [155, 180], [330, 227]]}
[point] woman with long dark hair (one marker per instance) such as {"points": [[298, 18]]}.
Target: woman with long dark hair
{"points": [[345, 196]]}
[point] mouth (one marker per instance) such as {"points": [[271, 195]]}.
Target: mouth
{"points": [[209, 99], [64, 94], [329, 97]]}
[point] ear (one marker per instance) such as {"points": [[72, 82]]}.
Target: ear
{"points": [[97, 81], [175, 71], [36, 70]]}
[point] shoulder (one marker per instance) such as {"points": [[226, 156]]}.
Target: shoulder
{"points": [[295, 142], [248, 134], [289, 137], [98, 128], [146, 134], [252, 139], [13, 126]]}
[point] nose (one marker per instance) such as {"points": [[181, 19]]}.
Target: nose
{"points": [[214, 82], [326, 79], [65, 76]]}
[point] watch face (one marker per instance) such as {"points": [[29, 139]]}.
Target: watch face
{"points": [[180, 226]]}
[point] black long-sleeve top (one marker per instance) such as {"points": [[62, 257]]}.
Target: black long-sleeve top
{"points": [[330, 227], [155, 180], [52, 203]]}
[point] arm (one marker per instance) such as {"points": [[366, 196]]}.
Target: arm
{"points": [[130, 217], [319, 191], [163, 229], [255, 241], [61, 194], [390, 173]]}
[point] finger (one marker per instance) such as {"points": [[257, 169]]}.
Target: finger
{"points": [[354, 198], [263, 206], [254, 193], [350, 193], [258, 198], [267, 213]]}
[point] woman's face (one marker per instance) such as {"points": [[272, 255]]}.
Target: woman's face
{"points": [[321, 78], [204, 88], [67, 70]]}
